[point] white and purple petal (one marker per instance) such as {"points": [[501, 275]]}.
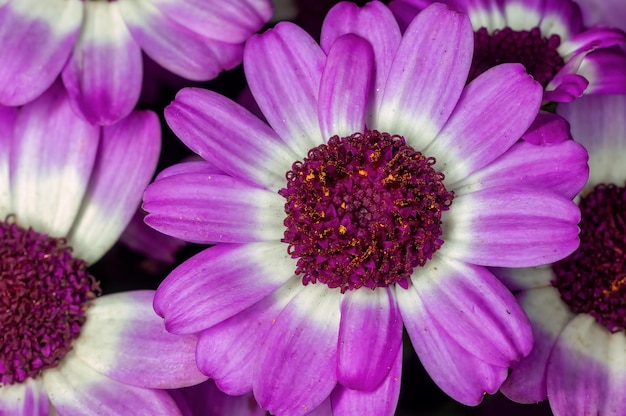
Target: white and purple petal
{"points": [[606, 72], [220, 282], [8, 116], [28, 398]]}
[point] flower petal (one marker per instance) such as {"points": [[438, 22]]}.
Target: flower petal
{"points": [[206, 208], [232, 368], [192, 166], [283, 67], [124, 339], [594, 38], [103, 75], [344, 91], [34, 35], [561, 167], [206, 397], [586, 369], [375, 23], [220, 282], [370, 335], [458, 373], [524, 278], [527, 381], [127, 158], [548, 128], [28, 398], [52, 156], [382, 401], [8, 116], [244, 147], [470, 140], [296, 366], [510, 227], [76, 389], [606, 72], [427, 75]]}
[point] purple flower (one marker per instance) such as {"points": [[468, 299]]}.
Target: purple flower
{"points": [[67, 190], [96, 46], [375, 197], [548, 37], [577, 305]]}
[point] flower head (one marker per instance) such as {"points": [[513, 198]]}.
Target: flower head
{"points": [[577, 305], [548, 38], [376, 195], [96, 46], [67, 190]]}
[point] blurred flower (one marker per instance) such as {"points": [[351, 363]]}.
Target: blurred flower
{"points": [[96, 46], [604, 12], [578, 305], [377, 196], [67, 190], [547, 37]]}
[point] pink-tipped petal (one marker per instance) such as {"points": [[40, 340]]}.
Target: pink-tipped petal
{"points": [[52, 157], [126, 160], [369, 337], [510, 227], [103, 75], [220, 282], [469, 140], [458, 373], [598, 37], [205, 399], [284, 67], [206, 208], [28, 398], [344, 91], [245, 147], [35, 35], [382, 401], [124, 339], [76, 389], [295, 369], [427, 75], [606, 72], [375, 23], [8, 116]]}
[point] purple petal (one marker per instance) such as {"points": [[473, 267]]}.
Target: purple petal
{"points": [[343, 96], [549, 315], [34, 35], [567, 85], [28, 398], [458, 373], [284, 67], [103, 75], [591, 39], [52, 157], [206, 397], [192, 166], [220, 282], [470, 140], [382, 401], [124, 339], [127, 158], [427, 75], [510, 227], [74, 388], [561, 167], [8, 116], [173, 45], [232, 368], [548, 128], [206, 208], [296, 367], [475, 310], [586, 370], [375, 23], [370, 336], [606, 72], [233, 21], [230, 137]]}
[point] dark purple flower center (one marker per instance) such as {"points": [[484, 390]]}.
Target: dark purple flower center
{"points": [[593, 279], [363, 210], [529, 48], [44, 293]]}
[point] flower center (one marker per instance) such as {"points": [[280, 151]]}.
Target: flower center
{"points": [[538, 54], [363, 210], [593, 279], [44, 293]]}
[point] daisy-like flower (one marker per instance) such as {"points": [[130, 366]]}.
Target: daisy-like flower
{"points": [[578, 305], [375, 197], [96, 46], [67, 190], [547, 36]]}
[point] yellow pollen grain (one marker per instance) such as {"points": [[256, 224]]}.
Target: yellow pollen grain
{"points": [[310, 176], [342, 229], [362, 172]]}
